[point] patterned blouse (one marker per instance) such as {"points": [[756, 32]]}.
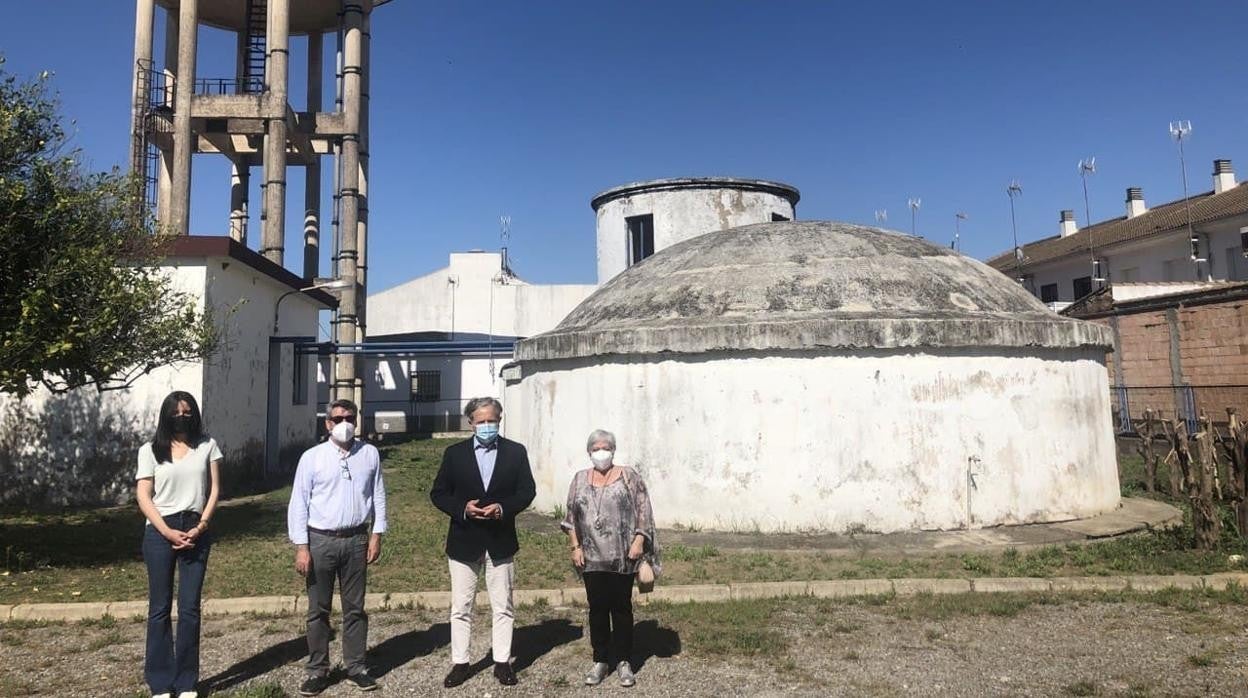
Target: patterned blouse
{"points": [[606, 519]]}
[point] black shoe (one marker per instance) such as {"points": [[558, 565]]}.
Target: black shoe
{"points": [[363, 681], [314, 685], [504, 674], [459, 674]]}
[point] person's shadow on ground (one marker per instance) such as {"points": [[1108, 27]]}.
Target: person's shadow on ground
{"points": [[651, 640], [401, 649], [266, 660]]}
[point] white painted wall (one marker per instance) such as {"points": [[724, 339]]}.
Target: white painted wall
{"points": [[81, 446], [833, 442], [236, 380], [472, 295], [679, 215]]}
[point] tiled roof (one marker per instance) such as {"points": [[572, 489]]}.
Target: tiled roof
{"points": [[1162, 219]]}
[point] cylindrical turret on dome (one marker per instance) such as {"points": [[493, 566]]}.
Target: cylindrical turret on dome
{"points": [[636, 220]]}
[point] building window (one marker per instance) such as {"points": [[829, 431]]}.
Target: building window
{"points": [[299, 389], [640, 237], [1048, 293], [776, 218], [1083, 286], [426, 386]]}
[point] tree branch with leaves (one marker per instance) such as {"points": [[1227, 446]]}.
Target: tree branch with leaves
{"points": [[83, 300]]}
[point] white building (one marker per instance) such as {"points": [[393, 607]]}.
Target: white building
{"points": [[440, 339], [823, 376], [257, 392], [1144, 245]]}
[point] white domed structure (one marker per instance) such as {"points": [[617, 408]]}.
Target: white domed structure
{"points": [[824, 376]]}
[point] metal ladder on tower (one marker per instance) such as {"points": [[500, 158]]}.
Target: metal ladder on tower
{"points": [[257, 46], [144, 156]]}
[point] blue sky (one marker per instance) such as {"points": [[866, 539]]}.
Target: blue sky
{"points": [[529, 108]]}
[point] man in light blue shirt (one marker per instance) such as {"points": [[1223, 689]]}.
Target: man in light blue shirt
{"points": [[335, 520]]}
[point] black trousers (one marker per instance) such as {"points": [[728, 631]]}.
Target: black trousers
{"points": [[610, 597]]}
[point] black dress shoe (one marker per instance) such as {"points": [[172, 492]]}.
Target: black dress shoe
{"points": [[459, 674], [504, 674]]}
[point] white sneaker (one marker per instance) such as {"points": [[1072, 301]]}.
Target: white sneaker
{"points": [[162, 695], [189, 694]]}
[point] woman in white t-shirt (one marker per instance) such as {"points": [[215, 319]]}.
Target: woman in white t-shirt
{"points": [[178, 484]]}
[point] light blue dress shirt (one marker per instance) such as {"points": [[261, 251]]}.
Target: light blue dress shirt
{"points": [[486, 457], [334, 490]]}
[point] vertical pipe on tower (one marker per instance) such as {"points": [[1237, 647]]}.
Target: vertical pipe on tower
{"points": [[277, 34], [183, 143], [312, 172]]}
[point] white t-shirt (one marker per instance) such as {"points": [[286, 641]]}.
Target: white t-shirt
{"points": [[180, 485]]}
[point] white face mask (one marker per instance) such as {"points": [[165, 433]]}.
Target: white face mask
{"points": [[343, 432], [602, 459]]}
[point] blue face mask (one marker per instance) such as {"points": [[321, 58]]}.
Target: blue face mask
{"points": [[486, 432]]}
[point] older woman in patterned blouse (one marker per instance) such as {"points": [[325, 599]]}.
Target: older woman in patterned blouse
{"points": [[611, 527]]}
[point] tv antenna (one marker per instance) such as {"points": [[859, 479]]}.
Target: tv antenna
{"points": [[504, 236], [957, 230], [1015, 190], [1179, 131], [881, 215], [914, 205], [1088, 167]]}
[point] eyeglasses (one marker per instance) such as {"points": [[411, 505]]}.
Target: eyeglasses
{"points": [[346, 472], [342, 418]]}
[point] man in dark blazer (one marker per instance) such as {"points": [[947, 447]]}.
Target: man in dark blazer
{"points": [[483, 484]]}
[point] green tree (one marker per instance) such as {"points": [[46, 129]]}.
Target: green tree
{"points": [[82, 300]]}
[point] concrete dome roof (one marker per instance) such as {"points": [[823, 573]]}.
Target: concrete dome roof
{"points": [[807, 285]]}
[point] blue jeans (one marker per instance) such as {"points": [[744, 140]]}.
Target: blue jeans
{"points": [[169, 668]]}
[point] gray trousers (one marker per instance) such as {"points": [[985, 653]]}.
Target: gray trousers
{"points": [[344, 559]]}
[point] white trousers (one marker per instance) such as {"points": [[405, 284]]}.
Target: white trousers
{"points": [[499, 577]]}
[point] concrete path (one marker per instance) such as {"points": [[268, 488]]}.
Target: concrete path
{"points": [[689, 593], [1135, 514]]}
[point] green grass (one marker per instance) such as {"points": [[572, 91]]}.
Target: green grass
{"points": [[93, 554]]}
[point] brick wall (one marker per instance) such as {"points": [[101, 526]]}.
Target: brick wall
{"points": [[1212, 354]]}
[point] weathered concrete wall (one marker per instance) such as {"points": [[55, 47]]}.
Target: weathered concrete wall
{"points": [[81, 447], [465, 295], [833, 441], [235, 403], [679, 215]]}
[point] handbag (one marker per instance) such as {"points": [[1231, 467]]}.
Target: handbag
{"points": [[645, 577]]}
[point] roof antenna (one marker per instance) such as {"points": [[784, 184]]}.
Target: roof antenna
{"points": [[1179, 131], [957, 230], [504, 235], [881, 215], [1015, 190], [1088, 167], [914, 205]]}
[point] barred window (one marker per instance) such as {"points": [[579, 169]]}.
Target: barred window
{"points": [[426, 386]]}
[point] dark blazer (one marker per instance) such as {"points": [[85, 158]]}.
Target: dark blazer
{"points": [[459, 481]]}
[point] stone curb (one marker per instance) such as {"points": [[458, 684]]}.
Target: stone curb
{"points": [[691, 593]]}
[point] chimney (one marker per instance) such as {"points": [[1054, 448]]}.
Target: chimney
{"points": [[1223, 176], [1135, 202], [1068, 224]]}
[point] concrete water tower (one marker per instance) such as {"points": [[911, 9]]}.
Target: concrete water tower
{"points": [[247, 118], [636, 220]]}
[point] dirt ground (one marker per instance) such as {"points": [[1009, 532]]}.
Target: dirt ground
{"points": [[1122, 648]]}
